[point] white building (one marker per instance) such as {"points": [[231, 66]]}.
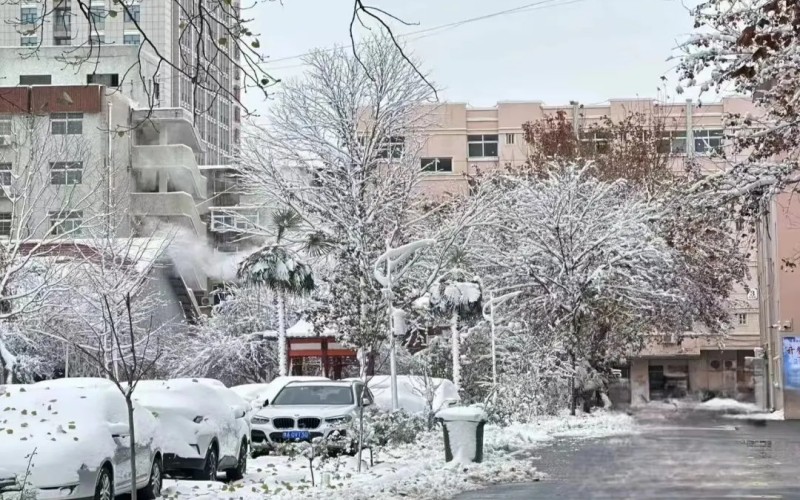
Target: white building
{"points": [[54, 43]]}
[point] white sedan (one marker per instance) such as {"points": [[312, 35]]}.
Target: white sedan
{"points": [[66, 442]]}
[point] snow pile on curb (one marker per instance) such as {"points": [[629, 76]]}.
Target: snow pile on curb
{"points": [[728, 405], [776, 415], [408, 471]]}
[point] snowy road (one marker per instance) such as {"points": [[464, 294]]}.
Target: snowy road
{"points": [[689, 455]]}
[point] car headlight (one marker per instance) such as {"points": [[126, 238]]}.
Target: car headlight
{"points": [[339, 420], [259, 420]]}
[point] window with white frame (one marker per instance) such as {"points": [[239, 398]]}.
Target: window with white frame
{"points": [[66, 123], [511, 139], [482, 146], [29, 41], [131, 39], [5, 223], [66, 222], [230, 221], [672, 142], [436, 164], [597, 140], [391, 147], [708, 141], [742, 318], [5, 126], [28, 15], [5, 174], [66, 172], [98, 13], [132, 13]]}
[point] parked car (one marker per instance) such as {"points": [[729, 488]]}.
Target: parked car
{"points": [[66, 442], [205, 434], [302, 411], [259, 395], [415, 394]]}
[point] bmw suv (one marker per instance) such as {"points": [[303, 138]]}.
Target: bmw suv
{"points": [[303, 411]]}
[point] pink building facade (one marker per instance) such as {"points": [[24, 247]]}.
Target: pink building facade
{"points": [[466, 139]]}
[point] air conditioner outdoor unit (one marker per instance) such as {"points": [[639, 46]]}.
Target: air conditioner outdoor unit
{"points": [[5, 140], [205, 301]]}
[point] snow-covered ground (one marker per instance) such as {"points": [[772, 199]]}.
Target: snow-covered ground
{"points": [[409, 471], [731, 408]]}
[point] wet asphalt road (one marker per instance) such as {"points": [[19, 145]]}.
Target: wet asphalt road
{"points": [[678, 456]]}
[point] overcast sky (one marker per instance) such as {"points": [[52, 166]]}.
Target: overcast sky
{"points": [[556, 51]]}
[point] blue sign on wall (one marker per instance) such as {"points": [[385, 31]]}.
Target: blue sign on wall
{"points": [[791, 363]]}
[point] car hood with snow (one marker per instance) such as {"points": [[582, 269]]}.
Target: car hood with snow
{"points": [[326, 411]]}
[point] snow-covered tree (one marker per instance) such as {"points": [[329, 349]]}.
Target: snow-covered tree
{"points": [[234, 344], [749, 47], [581, 251], [341, 149], [280, 269]]}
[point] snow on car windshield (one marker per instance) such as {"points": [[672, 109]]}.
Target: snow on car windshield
{"points": [[314, 395]]}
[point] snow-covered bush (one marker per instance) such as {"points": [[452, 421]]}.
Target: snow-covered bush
{"points": [[383, 428]]}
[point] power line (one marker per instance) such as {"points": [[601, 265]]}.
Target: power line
{"points": [[436, 30]]}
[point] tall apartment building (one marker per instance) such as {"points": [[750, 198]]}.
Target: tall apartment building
{"points": [[467, 139], [68, 165], [52, 36]]}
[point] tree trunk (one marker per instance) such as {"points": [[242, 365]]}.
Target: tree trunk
{"points": [[456, 348], [132, 443], [573, 402], [282, 336]]}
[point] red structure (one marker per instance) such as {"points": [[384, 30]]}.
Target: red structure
{"points": [[321, 356]]}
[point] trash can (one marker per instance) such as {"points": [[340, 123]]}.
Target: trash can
{"points": [[463, 433]]}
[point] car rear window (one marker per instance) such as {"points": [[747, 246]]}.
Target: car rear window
{"points": [[314, 395]]}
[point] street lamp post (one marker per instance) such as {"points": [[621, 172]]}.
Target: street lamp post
{"points": [[394, 259]]}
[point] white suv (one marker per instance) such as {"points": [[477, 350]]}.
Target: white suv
{"points": [[302, 411]]}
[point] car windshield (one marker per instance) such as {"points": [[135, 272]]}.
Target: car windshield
{"points": [[314, 395]]}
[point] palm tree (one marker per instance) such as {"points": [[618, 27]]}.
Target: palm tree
{"points": [[278, 268], [458, 297]]}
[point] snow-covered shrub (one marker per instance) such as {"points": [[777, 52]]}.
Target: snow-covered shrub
{"points": [[385, 428]]}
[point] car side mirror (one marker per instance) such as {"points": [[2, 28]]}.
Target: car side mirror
{"points": [[239, 412], [119, 430], [365, 401], [266, 403]]}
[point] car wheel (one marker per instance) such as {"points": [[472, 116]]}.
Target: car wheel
{"points": [[153, 488], [241, 465], [104, 489], [209, 470]]}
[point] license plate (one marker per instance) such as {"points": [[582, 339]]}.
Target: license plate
{"points": [[295, 435]]}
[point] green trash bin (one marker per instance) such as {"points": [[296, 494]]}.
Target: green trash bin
{"points": [[463, 433]]}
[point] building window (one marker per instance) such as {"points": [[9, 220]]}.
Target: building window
{"points": [[66, 222], [28, 15], [132, 13], [66, 123], [391, 147], [482, 146], [5, 174], [97, 39], [29, 41], [98, 15], [742, 318], [511, 139], [598, 141], [35, 79], [5, 224], [66, 172], [62, 24], [5, 126], [107, 79], [672, 142], [436, 164], [60, 40], [131, 39], [708, 141], [233, 221]]}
